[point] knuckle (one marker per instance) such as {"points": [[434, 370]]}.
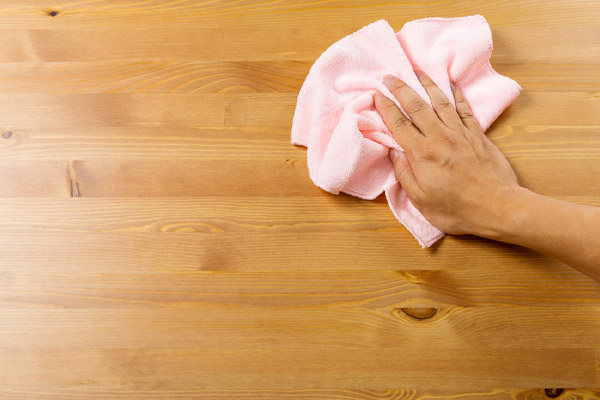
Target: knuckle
{"points": [[443, 105], [426, 82], [398, 174], [401, 123], [465, 112], [396, 86], [387, 105], [416, 105], [467, 115]]}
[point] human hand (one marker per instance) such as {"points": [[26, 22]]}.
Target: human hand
{"points": [[452, 173]]}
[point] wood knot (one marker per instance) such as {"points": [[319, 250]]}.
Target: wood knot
{"points": [[420, 314], [553, 393], [73, 180], [7, 134], [52, 13], [417, 277]]}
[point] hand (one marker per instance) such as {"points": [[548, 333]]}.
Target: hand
{"points": [[452, 173]]}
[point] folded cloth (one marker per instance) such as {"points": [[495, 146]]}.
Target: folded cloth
{"points": [[348, 142]]}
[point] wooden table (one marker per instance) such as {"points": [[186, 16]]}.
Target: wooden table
{"points": [[160, 236]]}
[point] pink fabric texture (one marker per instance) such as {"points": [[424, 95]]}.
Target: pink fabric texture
{"points": [[347, 140]]}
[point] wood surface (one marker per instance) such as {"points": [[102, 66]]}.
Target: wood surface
{"points": [[160, 236]]}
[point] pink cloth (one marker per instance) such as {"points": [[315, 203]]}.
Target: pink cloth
{"points": [[347, 140]]}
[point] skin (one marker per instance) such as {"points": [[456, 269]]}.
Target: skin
{"points": [[461, 182]]}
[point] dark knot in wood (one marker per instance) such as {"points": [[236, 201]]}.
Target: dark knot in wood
{"points": [[52, 13], [7, 134], [553, 393], [419, 313]]}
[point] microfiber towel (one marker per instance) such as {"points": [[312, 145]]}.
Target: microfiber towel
{"points": [[347, 141]]}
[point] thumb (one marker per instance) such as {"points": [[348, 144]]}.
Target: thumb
{"points": [[403, 172]]}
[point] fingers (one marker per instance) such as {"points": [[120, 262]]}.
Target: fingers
{"points": [[441, 105], [403, 131], [464, 111], [421, 113]]}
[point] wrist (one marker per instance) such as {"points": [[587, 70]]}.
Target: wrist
{"points": [[508, 214]]}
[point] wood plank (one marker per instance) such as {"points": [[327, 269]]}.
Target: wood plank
{"points": [[161, 369], [263, 109], [165, 178], [533, 108], [237, 77], [19, 145], [141, 142], [30, 110], [245, 178], [86, 391], [198, 215], [254, 41], [223, 321], [544, 77], [296, 215], [157, 77], [297, 13], [546, 141], [61, 237], [160, 279]]}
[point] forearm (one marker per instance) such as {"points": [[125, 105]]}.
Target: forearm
{"points": [[565, 231]]}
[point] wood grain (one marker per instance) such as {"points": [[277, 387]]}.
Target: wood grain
{"points": [[259, 248], [124, 14], [161, 238], [265, 42], [138, 280], [158, 77], [312, 394], [244, 178], [27, 110], [238, 77], [156, 369], [260, 319], [40, 144], [264, 109]]}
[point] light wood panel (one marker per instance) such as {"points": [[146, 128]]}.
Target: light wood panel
{"points": [[306, 246], [124, 14], [245, 178], [313, 394], [31, 110], [237, 77], [264, 109], [137, 279], [148, 143], [261, 319], [266, 42], [156, 369], [41, 144], [160, 236]]}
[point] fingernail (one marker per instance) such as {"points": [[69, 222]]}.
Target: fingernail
{"points": [[420, 74], [388, 79], [379, 96], [393, 154], [452, 87]]}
